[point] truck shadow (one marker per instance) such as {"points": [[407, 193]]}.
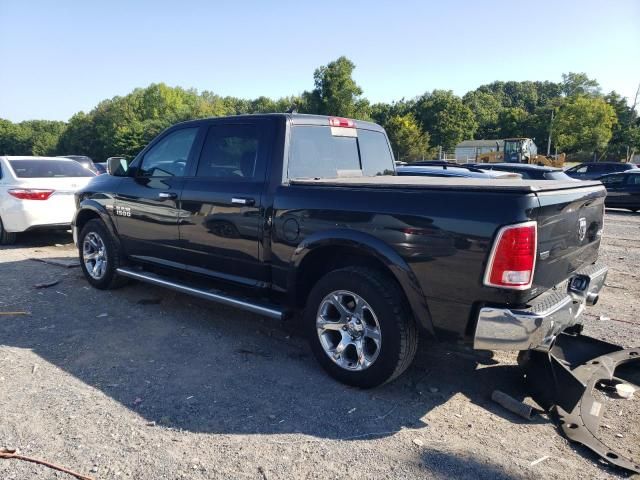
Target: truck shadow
{"points": [[195, 366]]}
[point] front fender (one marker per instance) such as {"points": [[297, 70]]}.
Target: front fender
{"points": [[92, 208], [377, 249]]}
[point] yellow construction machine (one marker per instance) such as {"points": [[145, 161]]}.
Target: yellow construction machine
{"points": [[520, 150]]}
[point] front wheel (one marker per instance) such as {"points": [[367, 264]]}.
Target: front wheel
{"points": [[359, 327], [100, 256]]}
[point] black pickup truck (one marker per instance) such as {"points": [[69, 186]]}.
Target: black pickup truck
{"points": [[303, 216]]}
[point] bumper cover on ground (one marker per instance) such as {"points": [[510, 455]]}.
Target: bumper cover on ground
{"points": [[563, 379]]}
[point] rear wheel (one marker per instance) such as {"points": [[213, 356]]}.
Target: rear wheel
{"points": [[359, 327], [6, 238], [100, 256]]}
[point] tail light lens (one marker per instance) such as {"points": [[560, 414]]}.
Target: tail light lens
{"points": [[513, 257], [30, 193]]}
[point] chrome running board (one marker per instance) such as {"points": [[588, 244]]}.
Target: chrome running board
{"points": [[269, 311]]}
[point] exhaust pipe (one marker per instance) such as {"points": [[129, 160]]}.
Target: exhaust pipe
{"points": [[592, 299]]}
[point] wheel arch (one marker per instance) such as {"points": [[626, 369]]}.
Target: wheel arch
{"points": [[88, 210], [325, 251]]}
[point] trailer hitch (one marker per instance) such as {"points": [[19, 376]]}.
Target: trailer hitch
{"points": [[562, 381]]}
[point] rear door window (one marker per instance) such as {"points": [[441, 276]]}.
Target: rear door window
{"points": [[612, 180], [633, 179], [231, 152]]}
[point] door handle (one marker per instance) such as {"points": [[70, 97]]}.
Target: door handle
{"points": [[167, 195], [243, 201]]}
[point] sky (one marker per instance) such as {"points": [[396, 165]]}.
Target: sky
{"points": [[57, 58]]}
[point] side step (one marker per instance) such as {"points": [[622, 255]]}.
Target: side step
{"points": [[267, 310]]}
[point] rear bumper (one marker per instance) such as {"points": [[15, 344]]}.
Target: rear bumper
{"points": [[537, 326], [23, 215]]}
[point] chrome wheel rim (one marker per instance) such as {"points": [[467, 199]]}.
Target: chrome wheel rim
{"points": [[94, 255], [348, 330]]}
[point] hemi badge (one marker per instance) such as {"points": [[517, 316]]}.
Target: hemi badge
{"points": [[544, 255]]}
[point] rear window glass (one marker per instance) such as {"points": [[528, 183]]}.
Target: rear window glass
{"points": [[556, 176], [316, 153], [376, 156], [49, 169]]}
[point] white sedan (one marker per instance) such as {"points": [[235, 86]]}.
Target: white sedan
{"points": [[38, 193]]}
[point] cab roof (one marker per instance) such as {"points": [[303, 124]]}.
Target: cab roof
{"points": [[292, 118]]}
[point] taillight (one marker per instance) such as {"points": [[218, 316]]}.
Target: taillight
{"points": [[513, 257], [30, 193], [342, 122]]}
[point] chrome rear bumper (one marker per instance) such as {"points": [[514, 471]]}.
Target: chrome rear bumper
{"points": [[537, 326]]}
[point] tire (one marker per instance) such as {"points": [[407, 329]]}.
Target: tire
{"points": [[100, 242], [383, 310], [6, 238]]}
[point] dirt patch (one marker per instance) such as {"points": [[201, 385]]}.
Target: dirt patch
{"points": [[148, 384]]}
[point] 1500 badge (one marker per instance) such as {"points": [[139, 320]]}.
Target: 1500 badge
{"points": [[123, 211]]}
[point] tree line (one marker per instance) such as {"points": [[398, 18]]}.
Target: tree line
{"points": [[574, 111]]}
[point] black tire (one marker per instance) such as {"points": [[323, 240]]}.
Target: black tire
{"points": [[398, 331], [6, 238], [114, 259]]}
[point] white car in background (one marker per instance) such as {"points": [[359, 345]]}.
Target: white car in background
{"points": [[38, 193]]}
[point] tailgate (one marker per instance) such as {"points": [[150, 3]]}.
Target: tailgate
{"points": [[570, 226]]}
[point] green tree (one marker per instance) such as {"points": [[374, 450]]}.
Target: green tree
{"points": [[445, 117], [336, 92], [14, 140], [79, 136], [574, 84], [407, 139], [32, 137], [548, 92], [512, 122], [584, 124], [625, 138], [486, 108], [382, 112]]}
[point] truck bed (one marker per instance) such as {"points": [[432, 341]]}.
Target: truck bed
{"points": [[497, 184]]}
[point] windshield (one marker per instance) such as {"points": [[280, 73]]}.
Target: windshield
{"points": [[316, 152], [512, 147], [49, 169]]}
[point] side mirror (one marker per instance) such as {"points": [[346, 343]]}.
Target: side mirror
{"points": [[117, 166]]}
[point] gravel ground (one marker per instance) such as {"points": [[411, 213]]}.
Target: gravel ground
{"points": [[144, 383]]}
